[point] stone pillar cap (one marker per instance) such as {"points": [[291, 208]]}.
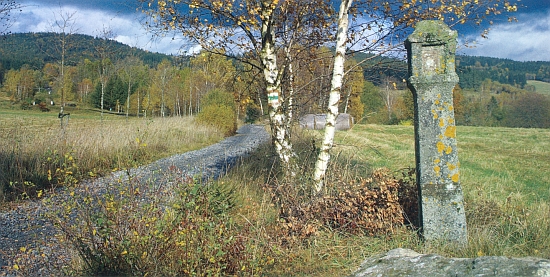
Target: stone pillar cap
{"points": [[432, 32]]}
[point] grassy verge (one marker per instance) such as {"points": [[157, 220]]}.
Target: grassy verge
{"points": [[496, 162], [33, 147]]}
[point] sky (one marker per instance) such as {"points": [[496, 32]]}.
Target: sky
{"points": [[525, 40]]}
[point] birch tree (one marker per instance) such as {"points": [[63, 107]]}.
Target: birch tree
{"points": [[334, 96], [104, 66], [64, 24], [132, 70]]}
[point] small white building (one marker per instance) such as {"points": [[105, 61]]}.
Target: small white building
{"points": [[344, 121]]}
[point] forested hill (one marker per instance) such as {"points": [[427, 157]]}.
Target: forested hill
{"points": [[471, 70], [474, 70], [37, 49]]}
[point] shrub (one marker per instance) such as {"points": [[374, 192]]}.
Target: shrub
{"points": [[136, 229], [26, 105], [253, 113], [376, 205], [530, 110], [218, 110], [221, 117]]}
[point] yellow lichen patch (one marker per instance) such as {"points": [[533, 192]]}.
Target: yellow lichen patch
{"points": [[448, 150], [451, 166], [439, 95], [440, 147], [441, 122], [450, 132], [436, 161], [437, 102], [435, 114], [437, 169], [455, 178]]}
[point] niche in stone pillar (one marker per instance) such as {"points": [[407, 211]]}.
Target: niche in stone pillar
{"points": [[431, 59]]}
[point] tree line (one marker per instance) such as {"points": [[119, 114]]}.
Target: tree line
{"points": [[171, 88], [473, 71]]}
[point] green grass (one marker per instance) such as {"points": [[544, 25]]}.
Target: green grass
{"points": [[497, 162], [503, 162], [540, 87]]}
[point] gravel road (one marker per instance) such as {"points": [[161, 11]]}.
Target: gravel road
{"points": [[25, 234]]}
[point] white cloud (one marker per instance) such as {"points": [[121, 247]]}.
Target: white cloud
{"points": [[526, 40], [529, 39], [126, 28]]}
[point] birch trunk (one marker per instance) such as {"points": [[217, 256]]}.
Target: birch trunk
{"points": [[128, 98], [277, 116], [290, 96], [334, 96], [102, 97]]}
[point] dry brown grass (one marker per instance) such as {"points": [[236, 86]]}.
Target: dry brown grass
{"points": [[33, 143]]}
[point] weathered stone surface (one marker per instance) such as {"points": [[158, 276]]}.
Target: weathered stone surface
{"points": [[431, 52], [404, 262], [317, 121]]}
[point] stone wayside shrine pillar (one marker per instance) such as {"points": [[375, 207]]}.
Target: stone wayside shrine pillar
{"points": [[432, 77]]}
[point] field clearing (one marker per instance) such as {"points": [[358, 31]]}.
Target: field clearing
{"points": [[540, 87], [496, 163]]}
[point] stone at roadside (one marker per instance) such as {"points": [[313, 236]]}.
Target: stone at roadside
{"points": [[405, 262]]}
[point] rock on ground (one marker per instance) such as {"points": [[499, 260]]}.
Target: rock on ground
{"points": [[405, 262]]}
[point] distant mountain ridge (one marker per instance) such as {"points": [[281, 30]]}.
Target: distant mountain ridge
{"points": [[37, 49], [472, 70]]}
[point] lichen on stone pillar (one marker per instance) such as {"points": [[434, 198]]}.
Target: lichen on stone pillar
{"points": [[432, 77]]}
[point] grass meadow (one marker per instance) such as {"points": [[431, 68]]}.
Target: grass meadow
{"points": [[540, 87], [504, 174], [33, 146]]}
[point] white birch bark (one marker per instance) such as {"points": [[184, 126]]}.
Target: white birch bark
{"points": [[277, 116], [290, 96], [334, 96]]}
